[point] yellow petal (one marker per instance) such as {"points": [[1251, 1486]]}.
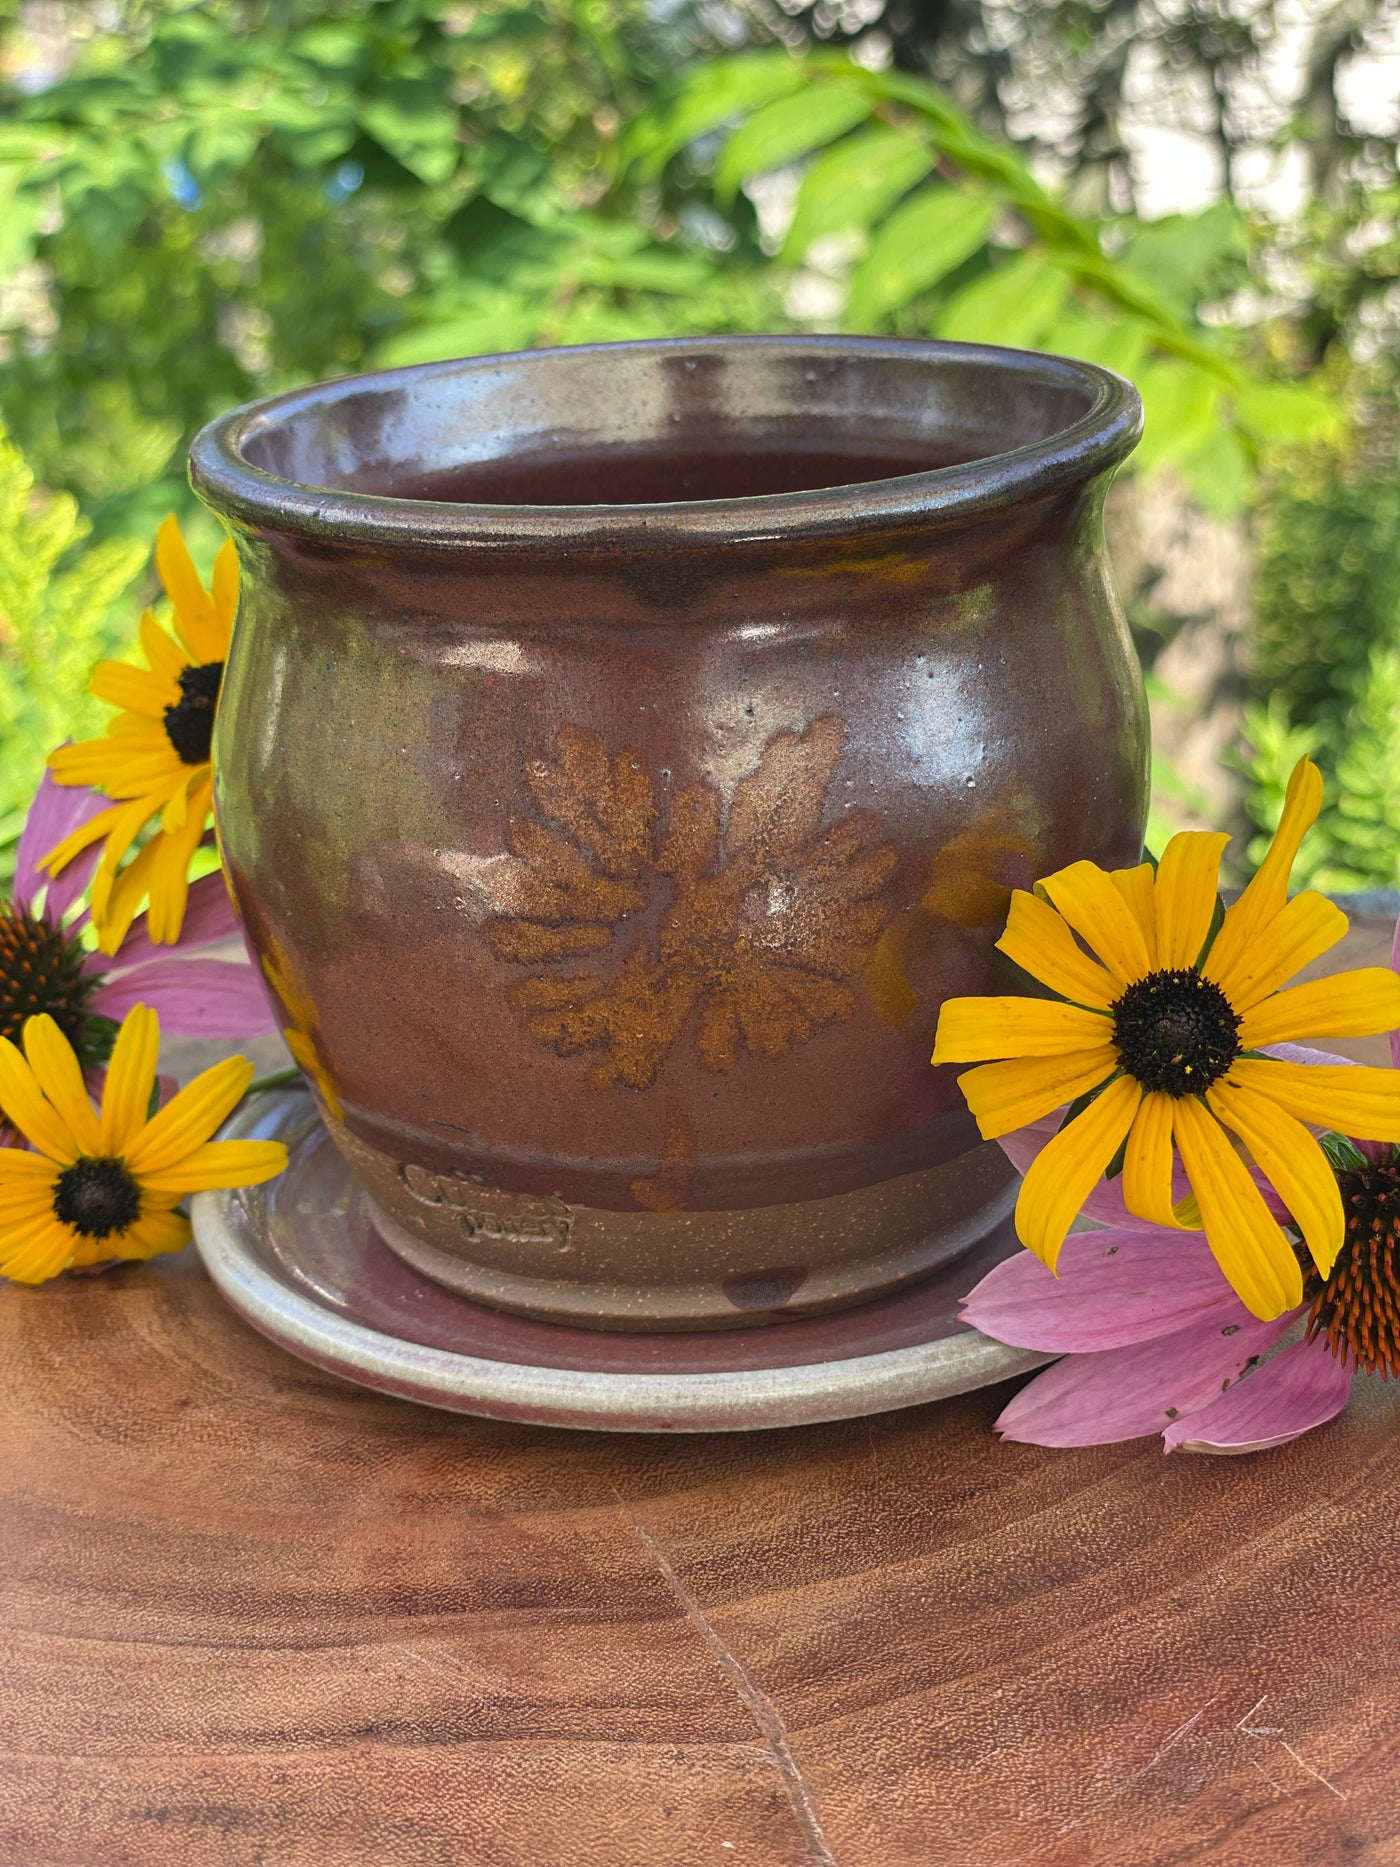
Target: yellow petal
{"points": [[1246, 919], [60, 1076], [196, 622], [1364, 1103], [1188, 883], [188, 1119], [152, 1233], [136, 689], [1349, 1004], [177, 810], [1041, 944], [137, 733], [127, 764], [131, 1076], [118, 826], [24, 1200], [116, 899], [1147, 1161], [82, 838], [1003, 1096], [1248, 1242], [166, 659], [1135, 886], [18, 1165], [219, 1163], [971, 1029], [160, 871], [27, 1109], [1292, 1162], [1099, 915], [170, 875], [34, 1253], [1301, 932], [225, 588], [1063, 1173]]}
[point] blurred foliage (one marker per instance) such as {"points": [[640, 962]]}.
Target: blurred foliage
{"points": [[56, 605], [216, 200], [1260, 86], [202, 201], [1327, 653], [928, 227]]}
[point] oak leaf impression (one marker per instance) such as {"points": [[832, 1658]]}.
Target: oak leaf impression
{"points": [[759, 926]]}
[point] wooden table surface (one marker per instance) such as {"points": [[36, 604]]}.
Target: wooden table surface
{"points": [[255, 1616]]}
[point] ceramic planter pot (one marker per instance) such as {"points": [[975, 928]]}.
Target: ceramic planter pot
{"points": [[623, 753]]}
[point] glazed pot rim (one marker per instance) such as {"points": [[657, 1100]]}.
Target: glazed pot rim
{"points": [[1095, 443]]}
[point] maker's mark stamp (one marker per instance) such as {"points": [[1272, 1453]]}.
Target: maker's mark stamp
{"points": [[487, 1213]]}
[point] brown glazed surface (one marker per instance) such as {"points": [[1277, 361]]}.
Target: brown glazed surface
{"points": [[621, 855]]}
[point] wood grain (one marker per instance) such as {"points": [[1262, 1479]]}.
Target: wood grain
{"points": [[251, 1616]]}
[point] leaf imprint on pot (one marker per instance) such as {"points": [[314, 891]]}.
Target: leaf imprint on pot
{"points": [[764, 924]]}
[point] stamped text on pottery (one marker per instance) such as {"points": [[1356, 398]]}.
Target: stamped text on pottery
{"points": [[766, 919], [485, 1212]]}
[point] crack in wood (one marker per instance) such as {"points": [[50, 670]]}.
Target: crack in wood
{"points": [[756, 1702]]}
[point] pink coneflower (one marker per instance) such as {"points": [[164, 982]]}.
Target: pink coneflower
{"points": [[45, 967], [1155, 1341]]}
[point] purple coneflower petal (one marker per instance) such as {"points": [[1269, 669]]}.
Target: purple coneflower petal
{"points": [[1113, 1288], [1300, 1053], [1124, 1393], [57, 810], [1302, 1387], [194, 997]]}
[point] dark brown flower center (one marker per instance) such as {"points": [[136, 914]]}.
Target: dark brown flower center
{"points": [[97, 1196], [189, 724], [42, 970], [1176, 1031], [1357, 1309]]}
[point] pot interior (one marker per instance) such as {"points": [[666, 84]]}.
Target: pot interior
{"points": [[654, 424]]}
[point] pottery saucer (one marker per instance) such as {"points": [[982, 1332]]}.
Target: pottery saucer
{"points": [[300, 1260]]}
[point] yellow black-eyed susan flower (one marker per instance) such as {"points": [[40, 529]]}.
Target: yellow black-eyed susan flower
{"points": [[105, 1183], [154, 759], [1158, 1038]]}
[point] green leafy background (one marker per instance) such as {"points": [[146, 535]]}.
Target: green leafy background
{"points": [[205, 202]]}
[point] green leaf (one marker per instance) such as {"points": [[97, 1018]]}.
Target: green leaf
{"points": [[1181, 405], [1115, 342], [224, 142], [1016, 302], [1287, 413], [661, 269], [496, 246], [854, 184], [1184, 255], [1219, 473], [921, 243], [1343, 1153], [335, 44], [417, 128], [789, 128], [718, 93], [20, 213], [503, 323]]}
